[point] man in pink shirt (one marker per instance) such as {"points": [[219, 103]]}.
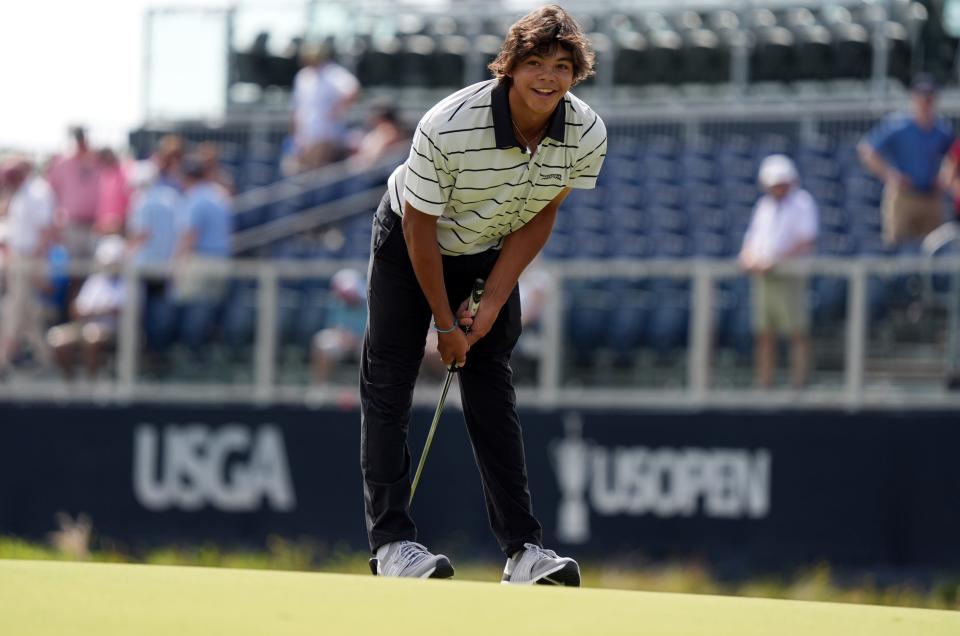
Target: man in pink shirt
{"points": [[76, 183], [113, 198]]}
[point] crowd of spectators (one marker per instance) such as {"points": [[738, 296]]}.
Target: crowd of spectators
{"points": [[171, 215], [88, 208]]}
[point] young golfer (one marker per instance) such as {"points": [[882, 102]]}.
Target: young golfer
{"points": [[477, 198]]}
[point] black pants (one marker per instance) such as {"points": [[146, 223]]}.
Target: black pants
{"points": [[398, 319]]}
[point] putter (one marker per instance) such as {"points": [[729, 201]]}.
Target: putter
{"points": [[475, 296]]}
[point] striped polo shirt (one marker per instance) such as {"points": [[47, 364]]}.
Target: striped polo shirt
{"points": [[467, 167]]}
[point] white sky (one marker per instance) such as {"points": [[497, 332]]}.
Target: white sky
{"points": [[66, 61]]}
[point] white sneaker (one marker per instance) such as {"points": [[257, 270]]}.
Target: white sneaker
{"points": [[533, 564], [408, 558]]}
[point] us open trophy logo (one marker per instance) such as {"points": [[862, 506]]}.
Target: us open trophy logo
{"points": [[570, 458]]}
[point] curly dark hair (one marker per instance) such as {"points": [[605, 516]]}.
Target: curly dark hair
{"points": [[539, 32]]}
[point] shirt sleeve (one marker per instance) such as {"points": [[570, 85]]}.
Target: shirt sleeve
{"points": [[45, 204], [808, 225], [592, 149], [344, 80], [428, 182], [880, 137], [751, 227], [196, 216]]}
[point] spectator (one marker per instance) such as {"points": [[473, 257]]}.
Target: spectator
{"points": [[905, 151], [95, 312], [322, 93], [209, 156], [950, 177], [30, 232], [113, 196], [383, 134], [76, 182], [537, 286], [153, 238], [204, 224], [342, 337], [784, 225]]}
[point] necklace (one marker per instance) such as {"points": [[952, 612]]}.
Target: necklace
{"points": [[536, 137]]}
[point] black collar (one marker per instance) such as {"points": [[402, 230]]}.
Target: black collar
{"points": [[503, 122]]}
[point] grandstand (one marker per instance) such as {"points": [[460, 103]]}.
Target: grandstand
{"points": [[694, 95]]}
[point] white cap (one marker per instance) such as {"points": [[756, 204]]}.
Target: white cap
{"points": [[776, 170], [348, 284], [110, 250]]}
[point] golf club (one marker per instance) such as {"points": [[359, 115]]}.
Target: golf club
{"points": [[474, 304]]}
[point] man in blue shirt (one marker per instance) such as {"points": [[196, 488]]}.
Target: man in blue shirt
{"points": [[152, 230], [201, 259], [905, 150]]}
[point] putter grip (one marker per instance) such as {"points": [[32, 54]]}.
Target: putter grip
{"points": [[475, 297]]}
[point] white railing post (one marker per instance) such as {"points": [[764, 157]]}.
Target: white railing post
{"points": [[700, 331], [266, 344], [551, 350], [128, 343], [855, 358]]}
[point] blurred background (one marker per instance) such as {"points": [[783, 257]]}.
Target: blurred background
{"points": [[715, 399]]}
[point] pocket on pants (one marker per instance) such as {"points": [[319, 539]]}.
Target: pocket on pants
{"points": [[384, 220]]}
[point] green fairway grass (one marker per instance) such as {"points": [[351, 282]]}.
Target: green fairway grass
{"points": [[57, 598]]}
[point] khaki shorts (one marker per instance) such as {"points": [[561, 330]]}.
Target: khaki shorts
{"points": [[200, 279], [780, 304], [909, 215]]}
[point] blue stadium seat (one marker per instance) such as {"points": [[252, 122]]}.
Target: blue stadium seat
{"points": [[289, 294], [240, 315], [628, 195], [627, 245], [825, 192], [311, 313], [589, 219], [832, 243], [668, 221], [628, 320], [834, 218], [588, 244], [703, 195], [861, 189], [560, 245], [627, 220], [661, 195], [731, 319], [587, 319], [623, 170], [711, 244], [708, 218], [828, 299], [666, 245], [669, 320]]}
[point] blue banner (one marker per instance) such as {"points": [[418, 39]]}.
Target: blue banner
{"points": [[751, 490]]}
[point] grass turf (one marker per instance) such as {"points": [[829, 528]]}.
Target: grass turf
{"points": [[46, 597]]}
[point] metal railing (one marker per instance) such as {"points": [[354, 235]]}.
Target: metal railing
{"points": [[264, 382]]}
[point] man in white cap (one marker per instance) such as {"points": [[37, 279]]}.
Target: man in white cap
{"points": [[342, 336], [784, 225]]}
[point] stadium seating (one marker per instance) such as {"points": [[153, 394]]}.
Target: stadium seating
{"points": [[690, 43]]}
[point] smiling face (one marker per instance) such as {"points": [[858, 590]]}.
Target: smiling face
{"points": [[539, 83]]}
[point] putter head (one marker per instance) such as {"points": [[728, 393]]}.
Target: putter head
{"points": [[373, 562]]}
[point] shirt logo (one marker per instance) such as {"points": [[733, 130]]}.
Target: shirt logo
{"points": [[558, 177]]}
